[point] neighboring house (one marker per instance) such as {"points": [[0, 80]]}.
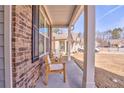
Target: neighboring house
{"points": [[60, 42], [116, 42], [101, 43], [122, 34], [110, 43], [77, 41]]}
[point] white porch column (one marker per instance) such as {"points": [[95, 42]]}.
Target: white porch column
{"points": [[69, 44], [50, 39], [53, 44], [89, 46], [8, 45]]}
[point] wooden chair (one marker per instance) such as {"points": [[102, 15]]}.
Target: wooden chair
{"points": [[54, 67]]}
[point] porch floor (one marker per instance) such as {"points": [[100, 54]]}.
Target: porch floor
{"points": [[74, 78]]}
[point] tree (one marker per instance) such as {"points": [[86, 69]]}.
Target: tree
{"points": [[108, 36], [116, 33], [80, 36], [56, 30]]}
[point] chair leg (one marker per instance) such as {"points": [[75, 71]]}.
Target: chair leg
{"points": [[64, 74], [46, 79]]}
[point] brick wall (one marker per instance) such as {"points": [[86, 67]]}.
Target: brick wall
{"points": [[25, 73], [2, 74]]}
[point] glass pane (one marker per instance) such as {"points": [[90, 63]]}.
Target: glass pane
{"points": [[35, 16], [41, 44], [46, 29], [47, 45], [33, 45], [41, 31], [36, 43], [41, 23]]}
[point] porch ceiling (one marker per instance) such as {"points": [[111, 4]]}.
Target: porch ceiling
{"points": [[63, 15]]}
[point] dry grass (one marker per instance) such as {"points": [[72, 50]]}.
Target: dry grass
{"points": [[109, 69]]}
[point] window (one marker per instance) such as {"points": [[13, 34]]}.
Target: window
{"points": [[41, 36], [35, 33], [47, 37]]}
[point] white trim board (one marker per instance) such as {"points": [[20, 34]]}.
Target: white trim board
{"points": [[7, 45]]}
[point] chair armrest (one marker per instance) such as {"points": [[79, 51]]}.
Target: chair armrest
{"points": [[47, 66]]}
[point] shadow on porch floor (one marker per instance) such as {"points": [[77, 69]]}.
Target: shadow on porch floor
{"points": [[74, 78]]}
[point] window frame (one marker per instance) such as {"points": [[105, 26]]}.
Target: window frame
{"points": [[34, 28], [45, 41], [45, 36], [41, 33]]}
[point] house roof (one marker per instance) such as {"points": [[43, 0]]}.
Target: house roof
{"points": [[117, 41], [101, 42]]}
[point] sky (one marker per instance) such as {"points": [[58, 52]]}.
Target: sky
{"points": [[107, 17]]}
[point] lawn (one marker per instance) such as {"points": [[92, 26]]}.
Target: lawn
{"points": [[109, 69]]}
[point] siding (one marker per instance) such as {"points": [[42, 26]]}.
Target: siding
{"points": [[1, 48]]}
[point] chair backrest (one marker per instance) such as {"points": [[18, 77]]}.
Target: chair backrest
{"points": [[51, 54], [48, 58]]}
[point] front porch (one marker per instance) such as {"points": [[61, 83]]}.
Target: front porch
{"points": [[74, 78]]}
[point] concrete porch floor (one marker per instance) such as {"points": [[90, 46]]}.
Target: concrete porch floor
{"points": [[74, 78]]}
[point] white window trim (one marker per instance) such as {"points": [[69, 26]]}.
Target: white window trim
{"points": [[8, 45]]}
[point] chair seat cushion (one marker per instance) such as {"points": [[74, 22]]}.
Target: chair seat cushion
{"points": [[56, 66]]}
